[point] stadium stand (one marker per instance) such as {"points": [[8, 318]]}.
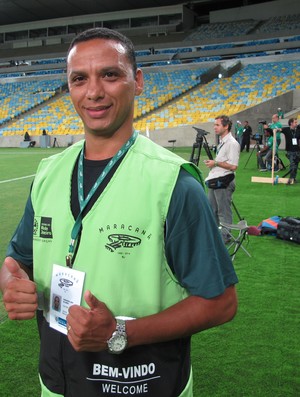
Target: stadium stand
{"points": [[220, 30], [280, 23], [17, 98], [252, 85], [176, 92], [195, 102]]}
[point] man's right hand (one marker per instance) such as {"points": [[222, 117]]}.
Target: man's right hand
{"points": [[19, 292]]}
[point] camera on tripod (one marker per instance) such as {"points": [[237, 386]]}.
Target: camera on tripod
{"points": [[257, 137], [200, 134], [200, 137]]}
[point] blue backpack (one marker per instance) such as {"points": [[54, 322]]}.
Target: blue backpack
{"points": [[269, 226]]}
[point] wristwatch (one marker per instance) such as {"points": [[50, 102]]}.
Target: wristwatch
{"points": [[118, 341]]}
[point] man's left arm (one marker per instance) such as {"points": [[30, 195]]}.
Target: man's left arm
{"points": [[192, 315], [90, 329]]}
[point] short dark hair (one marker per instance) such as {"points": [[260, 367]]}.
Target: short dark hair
{"points": [[107, 34], [292, 120], [269, 131], [225, 121]]}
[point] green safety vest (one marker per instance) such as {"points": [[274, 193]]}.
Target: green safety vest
{"points": [[122, 240], [121, 247]]}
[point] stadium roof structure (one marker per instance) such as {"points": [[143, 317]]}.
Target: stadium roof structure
{"points": [[18, 11]]}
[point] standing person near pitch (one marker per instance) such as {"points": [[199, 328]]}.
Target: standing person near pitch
{"points": [[239, 130], [120, 229], [247, 131], [276, 126], [292, 147], [220, 180]]}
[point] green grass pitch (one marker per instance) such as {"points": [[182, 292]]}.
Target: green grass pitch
{"points": [[257, 354]]}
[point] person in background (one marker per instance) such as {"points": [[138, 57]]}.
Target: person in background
{"points": [[223, 168], [292, 147], [264, 155], [141, 286], [280, 113], [27, 138], [247, 131], [238, 129], [276, 126]]}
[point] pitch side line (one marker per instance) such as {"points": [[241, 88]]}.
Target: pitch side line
{"points": [[17, 179]]}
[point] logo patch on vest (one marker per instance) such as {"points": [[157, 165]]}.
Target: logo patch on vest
{"points": [[122, 240], [42, 227], [119, 241]]}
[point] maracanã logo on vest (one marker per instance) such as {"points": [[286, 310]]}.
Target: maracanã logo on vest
{"points": [[122, 240]]}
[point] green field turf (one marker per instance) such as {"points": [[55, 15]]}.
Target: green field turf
{"points": [[257, 354]]}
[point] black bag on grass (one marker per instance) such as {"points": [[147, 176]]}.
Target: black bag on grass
{"points": [[289, 229]]}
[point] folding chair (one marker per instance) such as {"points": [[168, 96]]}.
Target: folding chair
{"points": [[238, 233]]}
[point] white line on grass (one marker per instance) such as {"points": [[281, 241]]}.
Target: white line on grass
{"points": [[17, 179]]}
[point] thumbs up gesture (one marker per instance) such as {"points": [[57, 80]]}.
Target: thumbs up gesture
{"points": [[19, 293], [90, 328]]}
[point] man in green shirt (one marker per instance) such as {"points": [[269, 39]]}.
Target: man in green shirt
{"points": [[238, 130], [264, 156], [276, 126], [280, 113]]}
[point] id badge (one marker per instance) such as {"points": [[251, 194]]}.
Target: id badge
{"points": [[294, 141], [66, 290]]}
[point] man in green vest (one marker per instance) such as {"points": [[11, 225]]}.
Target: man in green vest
{"points": [[120, 230]]}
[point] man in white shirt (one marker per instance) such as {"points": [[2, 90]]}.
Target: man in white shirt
{"points": [[220, 180]]}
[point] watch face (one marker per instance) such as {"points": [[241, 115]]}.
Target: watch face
{"points": [[117, 343]]}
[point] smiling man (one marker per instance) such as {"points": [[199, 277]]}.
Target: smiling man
{"points": [[102, 86], [121, 230]]}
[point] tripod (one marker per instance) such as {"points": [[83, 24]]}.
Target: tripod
{"points": [[197, 146], [257, 147], [55, 143], [288, 173]]}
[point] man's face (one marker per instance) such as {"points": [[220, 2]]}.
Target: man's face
{"points": [[102, 86], [219, 129], [294, 124], [275, 118]]}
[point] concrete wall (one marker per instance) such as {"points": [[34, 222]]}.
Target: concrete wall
{"points": [[61, 140]]}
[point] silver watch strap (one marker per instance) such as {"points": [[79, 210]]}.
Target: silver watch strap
{"points": [[121, 326]]}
